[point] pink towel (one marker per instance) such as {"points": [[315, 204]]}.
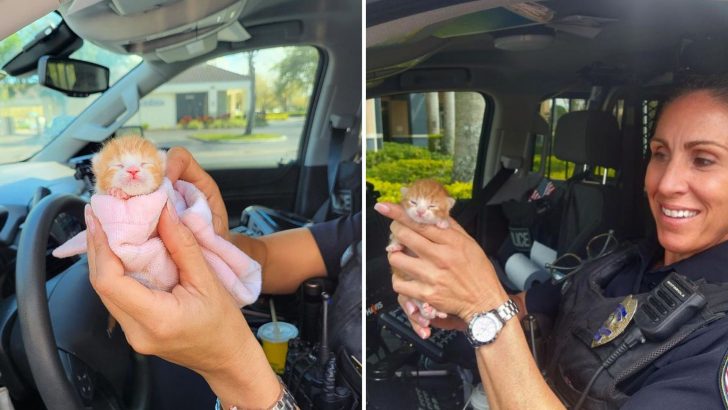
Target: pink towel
{"points": [[131, 228]]}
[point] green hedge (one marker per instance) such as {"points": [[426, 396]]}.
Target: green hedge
{"points": [[397, 165]]}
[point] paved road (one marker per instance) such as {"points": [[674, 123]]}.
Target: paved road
{"points": [[210, 154]]}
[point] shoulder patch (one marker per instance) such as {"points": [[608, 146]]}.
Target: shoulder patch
{"points": [[723, 380]]}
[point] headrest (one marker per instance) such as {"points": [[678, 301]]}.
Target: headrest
{"points": [[588, 137]]}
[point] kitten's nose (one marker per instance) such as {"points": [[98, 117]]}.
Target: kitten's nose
{"points": [[133, 171], [420, 212]]}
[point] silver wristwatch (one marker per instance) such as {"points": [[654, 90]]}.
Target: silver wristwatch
{"points": [[484, 327]]}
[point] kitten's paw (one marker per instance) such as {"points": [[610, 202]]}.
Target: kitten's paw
{"points": [[444, 224], [394, 247], [118, 193]]}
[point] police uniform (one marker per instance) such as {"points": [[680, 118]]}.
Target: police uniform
{"points": [[690, 372]]}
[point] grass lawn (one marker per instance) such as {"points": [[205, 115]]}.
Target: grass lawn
{"points": [[226, 137]]}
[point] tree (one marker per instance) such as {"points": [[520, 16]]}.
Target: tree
{"points": [[251, 105], [10, 47], [295, 74], [469, 109], [432, 105], [448, 135], [265, 99]]}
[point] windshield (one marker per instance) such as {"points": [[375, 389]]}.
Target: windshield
{"points": [[32, 115]]}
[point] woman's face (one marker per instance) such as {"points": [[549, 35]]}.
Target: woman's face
{"points": [[687, 177]]}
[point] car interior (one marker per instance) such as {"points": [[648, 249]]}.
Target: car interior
{"points": [[571, 92], [179, 72]]}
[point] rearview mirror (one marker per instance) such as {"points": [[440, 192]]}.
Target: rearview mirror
{"points": [[74, 78]]}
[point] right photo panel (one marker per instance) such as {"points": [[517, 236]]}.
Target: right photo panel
{"points": [[546, 194]]}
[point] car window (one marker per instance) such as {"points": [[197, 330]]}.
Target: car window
{"points": [[207, 108], [424, 135], [32, 115]]}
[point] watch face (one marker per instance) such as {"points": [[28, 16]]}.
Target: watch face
{"points": [[485, 328]]}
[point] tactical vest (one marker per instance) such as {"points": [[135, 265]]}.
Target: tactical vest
{"points": [[572, 361]]}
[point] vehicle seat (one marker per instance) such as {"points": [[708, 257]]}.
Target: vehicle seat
{"points": [[591, 207]]}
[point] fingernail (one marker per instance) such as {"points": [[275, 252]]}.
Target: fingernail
{"points": [[410, 307], [422, 333], [381, 208], [89, 219], [172, 212]]}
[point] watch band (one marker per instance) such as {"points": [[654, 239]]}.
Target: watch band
{"points": [[285, 401], [507, 310]]}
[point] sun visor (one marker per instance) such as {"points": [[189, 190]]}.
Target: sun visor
{"points": [[171, 30]]}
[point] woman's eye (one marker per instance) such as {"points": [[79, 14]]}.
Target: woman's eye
{"points": [[659, 155], [703, 162]]}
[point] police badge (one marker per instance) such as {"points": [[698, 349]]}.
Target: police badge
{"points": [[616, 323]]}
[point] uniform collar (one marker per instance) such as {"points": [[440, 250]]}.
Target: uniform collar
{"points": [[709, 264]]}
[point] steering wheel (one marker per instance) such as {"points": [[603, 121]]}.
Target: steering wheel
{"points": [[74, 360]]}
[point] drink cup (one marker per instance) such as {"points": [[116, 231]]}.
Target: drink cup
{"points": [[275, 337]]}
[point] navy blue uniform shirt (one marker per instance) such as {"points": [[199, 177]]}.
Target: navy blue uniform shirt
{"points": [[687, 376], [333, 237]]}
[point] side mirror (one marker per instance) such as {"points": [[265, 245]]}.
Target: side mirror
{"points": [[74, 78]]}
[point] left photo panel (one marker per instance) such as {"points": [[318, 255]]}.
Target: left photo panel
{"points": [[180, 205]]}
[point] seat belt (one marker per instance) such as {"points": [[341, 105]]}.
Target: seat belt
{"points": [[340, 125], [468, 213]]}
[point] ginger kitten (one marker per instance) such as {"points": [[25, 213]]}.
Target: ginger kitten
{"points": [[425, 201]]}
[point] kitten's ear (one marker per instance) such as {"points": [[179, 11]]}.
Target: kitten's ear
{"points": [[404, 190], [450, 202]]}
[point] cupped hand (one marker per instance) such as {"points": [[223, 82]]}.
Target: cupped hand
{"points": [[181, 165], [450, 271], [197, 325], [422, 325]]}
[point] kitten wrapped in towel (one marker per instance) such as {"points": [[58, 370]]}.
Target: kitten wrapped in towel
{"points": [[131, 193], [425, 201]]}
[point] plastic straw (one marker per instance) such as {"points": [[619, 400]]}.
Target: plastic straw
{"points": [[273, 315]]}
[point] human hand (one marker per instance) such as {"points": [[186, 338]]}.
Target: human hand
{"points": [[197, 324], [450, 272], [422, 325], [181, 165]]}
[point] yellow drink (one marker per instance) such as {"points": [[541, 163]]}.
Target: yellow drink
{"points": [[276, 355]]}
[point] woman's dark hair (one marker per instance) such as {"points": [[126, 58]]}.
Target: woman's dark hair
{"points": [[715, 85]]}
